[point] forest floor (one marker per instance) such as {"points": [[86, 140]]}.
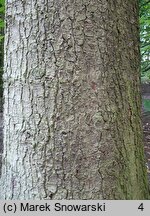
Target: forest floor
{"points": [[146, 130], [145, 91]]}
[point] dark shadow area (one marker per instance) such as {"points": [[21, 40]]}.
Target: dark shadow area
{"points": [[146, 123]]}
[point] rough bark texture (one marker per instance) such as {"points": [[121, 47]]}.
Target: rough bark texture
{"points": [[1, 94], [72, 105]]}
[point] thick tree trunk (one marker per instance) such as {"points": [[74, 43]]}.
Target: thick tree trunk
{"points": [[72, 105]]}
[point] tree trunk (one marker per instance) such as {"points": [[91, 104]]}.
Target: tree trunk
{"points": [[72, 122]]}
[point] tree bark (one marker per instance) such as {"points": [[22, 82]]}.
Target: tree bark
{"points": [[72, 122]]}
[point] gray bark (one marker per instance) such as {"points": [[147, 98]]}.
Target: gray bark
{"points": [[72, 127]]}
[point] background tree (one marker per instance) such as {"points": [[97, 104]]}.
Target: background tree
{"points": [[72, 124], [145, 39]]}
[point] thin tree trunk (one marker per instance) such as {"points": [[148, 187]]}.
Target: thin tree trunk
{"points": [[72, 122]]}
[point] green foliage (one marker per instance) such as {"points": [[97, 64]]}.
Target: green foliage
{"points": [[145, 39], [146, 103], [2, 12]]}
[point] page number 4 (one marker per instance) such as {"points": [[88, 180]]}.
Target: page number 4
{"points": [[141, 207]]}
